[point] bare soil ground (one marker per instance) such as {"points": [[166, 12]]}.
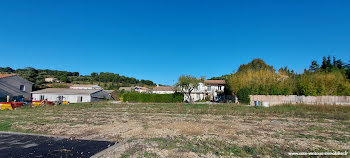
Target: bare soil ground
{"points": [[185, 130]]}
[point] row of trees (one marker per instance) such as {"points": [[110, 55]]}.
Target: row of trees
{"points": [[37, 76], [116, 78], [114, 81], [54, 73], [104, 79], [257, 77]]}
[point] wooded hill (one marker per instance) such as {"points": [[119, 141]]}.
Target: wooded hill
{"points": [[105, 79]]}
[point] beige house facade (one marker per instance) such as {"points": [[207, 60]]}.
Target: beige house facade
{"points": [[210, 90]]}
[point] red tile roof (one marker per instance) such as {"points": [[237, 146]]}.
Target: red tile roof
{"points": [[163, 88], [215, 82], [7, 75]]}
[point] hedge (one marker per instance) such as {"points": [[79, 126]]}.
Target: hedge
{"points": [[152, 98], [243, 95]]}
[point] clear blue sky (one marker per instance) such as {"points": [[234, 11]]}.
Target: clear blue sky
{"points": [[160, 40]]}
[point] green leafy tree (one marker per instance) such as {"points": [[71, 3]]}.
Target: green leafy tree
{"points": [[255, 65], [314, 66], [64, 78], [28, 73], [7, 70], [347, 70], [187, 84], [243, 95], [323, 83]]}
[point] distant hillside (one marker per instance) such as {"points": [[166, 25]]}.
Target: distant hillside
{"points": [[105, 79]]}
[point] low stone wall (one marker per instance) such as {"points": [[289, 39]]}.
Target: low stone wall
{"points": [[294, 99]]}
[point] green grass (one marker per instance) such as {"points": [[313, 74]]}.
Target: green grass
{"points": [[302, 111], [165, 143], [5, 126], [130, 151], [148, 154], [343, 139]]}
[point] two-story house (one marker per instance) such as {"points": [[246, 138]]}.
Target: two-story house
{"points": [[212, 90], [215, 89], [14, 86]]}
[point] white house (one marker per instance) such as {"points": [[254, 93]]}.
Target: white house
{"points": [[142, 89], [83, 86], [163, 90], [70, 95], [212, 90], [51, 79], [215, 89], [136, 89]]}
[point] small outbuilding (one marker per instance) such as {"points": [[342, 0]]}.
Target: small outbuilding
{"points": [[113, 95], [70, 95], [51, 80]]}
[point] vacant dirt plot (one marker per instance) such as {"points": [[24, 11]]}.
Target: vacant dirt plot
{"points": [[185, 130]]}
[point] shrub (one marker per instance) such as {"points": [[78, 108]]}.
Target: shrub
{"points": [[243, 95], [56, 85], [152, 98], [323, 83]]}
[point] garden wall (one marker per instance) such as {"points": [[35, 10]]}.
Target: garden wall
{"points": [[294, 99]]}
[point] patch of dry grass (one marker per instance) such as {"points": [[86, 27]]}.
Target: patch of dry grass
{"points": [[187, 130]]}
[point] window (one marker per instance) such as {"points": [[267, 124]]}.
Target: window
{"points": [[219, 88], [209, 88], [42, 97], [22, 88], [60, 98]]}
